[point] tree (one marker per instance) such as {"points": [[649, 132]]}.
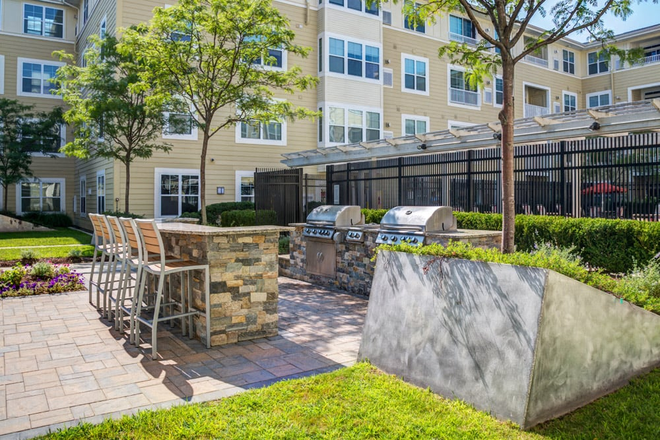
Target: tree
{"points": [[216, 55], [116, 113], [23, 132], [509, 20]]}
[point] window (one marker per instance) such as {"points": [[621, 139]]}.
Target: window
{"points": [[180, 126], [245, 186], [461, 91], [103, 28], [413, 125], [415, 74], [569, 61], [83, 196], [40, 195], [355, 59], [570, 102], [353, 125], [320, 126], [320, 54], [599, 99], [36, 78], [499, 91], [412, 21], [47, 143], [2, 74], [597, 63], [461, 30], [44, 21], [85, 11], [177, 191], [273, 59], [100, 191], [539, 56], [356, 5], [255, 132]]}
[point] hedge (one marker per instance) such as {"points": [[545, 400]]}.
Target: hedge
{"points": [[373, 215], [53, 220], [613, 245], [123, 214], [248, 217], [214, 211]]}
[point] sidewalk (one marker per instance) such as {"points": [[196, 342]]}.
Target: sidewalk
{"points": [[60, 363]]}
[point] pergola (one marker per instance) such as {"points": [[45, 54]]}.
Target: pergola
{"points": [[605, 121]]}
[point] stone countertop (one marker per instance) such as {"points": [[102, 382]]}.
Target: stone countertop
{"points": [[188, 229]]}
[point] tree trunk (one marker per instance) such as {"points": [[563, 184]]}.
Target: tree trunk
{"points": [[507, 117], [128, 186], [202, 174]]}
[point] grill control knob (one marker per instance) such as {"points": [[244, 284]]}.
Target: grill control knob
{"points": [[383, 237], [414, 240], [393, 238]]}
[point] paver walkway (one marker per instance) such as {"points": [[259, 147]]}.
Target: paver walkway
{"points": [[60, 363]]}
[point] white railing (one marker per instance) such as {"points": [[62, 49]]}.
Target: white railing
{"points": [[535, 110], [535, 60], [460, 96], [462, 39], [651, 59]]}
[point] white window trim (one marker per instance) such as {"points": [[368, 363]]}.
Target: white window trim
{"points": [[82, 195], [275, 68], [345, 8], [104, 21], [548, 100], [100, 173], [19, 77], [43, 36], [458, 124], [280, 143], [563, 93], [561, 60], [449, 32], [325, 37], [495, 78], [193, 136], [403, 74], [415, 118], [451, 67], [632, 89], [2, 73], [237, 188], [179, 171], [602, 92], [326, 121], [62, 182]]}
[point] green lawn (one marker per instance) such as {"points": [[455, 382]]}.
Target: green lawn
{"points": [[361, 402], [63, 237]]}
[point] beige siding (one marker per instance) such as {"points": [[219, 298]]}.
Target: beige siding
{"points": [[11, 20]]}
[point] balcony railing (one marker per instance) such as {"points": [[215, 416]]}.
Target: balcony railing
{"points": [[651, 59], [462, 39], [535, 60], [535, 110], [466, 97]]}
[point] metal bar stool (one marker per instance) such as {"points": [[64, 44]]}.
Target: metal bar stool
{"points": [[103, 243], [120, 252], [152, 243]]}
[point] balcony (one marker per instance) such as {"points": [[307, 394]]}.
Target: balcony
{"points": [[531, 110], [465, 97], [651, 59], [459, 38], [536, 60]]}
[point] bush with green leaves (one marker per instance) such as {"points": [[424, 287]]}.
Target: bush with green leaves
{"points": [[39, 279], [215, 210], [50, 220], [122, 214], [75, 255], [42, 270], [283, 245], [28, 256], [248, 217], [195, 215], [373, 215]]}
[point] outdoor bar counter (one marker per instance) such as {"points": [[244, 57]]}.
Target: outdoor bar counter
{"points": [[243, 268]]}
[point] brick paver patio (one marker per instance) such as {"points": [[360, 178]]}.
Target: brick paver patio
{"points": [[60, 363]]}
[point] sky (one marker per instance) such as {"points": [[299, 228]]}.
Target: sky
{"points": [[645, 14]]}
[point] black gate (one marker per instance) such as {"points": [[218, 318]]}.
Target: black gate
{"points": [[280, 190]]}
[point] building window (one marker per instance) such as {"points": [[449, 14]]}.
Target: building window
{"points": [[245, 186], [83, 196], [461, 30], [85, 11], [415, 74], [47, 142], [461, 91], [40, 195], [274, 59], [37, 78], [255, 132], [599, 99], [103, 28], [100, 191], [570, 102], [568, 61], [2, 74], [499, 91], [597, 63], [413, 125], [356, 5], [353, 125], [177, 192], [355, 59], [539, 56], [180, 126], [44, 21], [410, 22]]}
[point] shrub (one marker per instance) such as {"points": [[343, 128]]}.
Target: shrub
{"points": [[122, 214], [75, 255], [43, 270], [50, 220], [12, 276], [15, 281], [373, 215], [283, 245], [248, 217], [195, 215], [28, 256], [214, 211]]}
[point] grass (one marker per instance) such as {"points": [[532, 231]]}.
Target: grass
{"points": [[57, 237], [47, 252], [362, 402]]}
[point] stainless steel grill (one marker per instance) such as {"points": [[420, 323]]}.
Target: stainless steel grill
{"points": [[412, 224]]}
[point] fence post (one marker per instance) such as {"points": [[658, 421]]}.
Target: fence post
{"points": [[328, 183], [347, 200], [470, 205], [400, 180], [301, 202], [562, 177]]}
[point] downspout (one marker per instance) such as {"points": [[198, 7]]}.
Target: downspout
{"points": [[306, 12]]}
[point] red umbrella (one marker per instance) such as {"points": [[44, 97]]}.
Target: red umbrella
{"points": [[604, 188]]}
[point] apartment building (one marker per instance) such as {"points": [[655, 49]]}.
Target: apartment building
{"points": [[379, 77]]}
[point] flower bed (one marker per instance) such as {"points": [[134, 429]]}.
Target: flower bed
{"points": [[38, 279]]}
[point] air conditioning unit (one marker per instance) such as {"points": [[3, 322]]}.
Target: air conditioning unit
{"points": [[555, 64], [557, 107], [488, 96], [387, 17], [388, 78], [388, 134]]}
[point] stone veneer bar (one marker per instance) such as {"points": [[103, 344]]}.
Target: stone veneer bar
{"points": [[243, 269]]}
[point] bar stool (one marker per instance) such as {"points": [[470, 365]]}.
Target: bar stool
{"points": [[152, 243], [120, 252], [103, 244]]}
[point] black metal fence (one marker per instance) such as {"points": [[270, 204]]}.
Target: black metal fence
{"points": [[600, 177]]}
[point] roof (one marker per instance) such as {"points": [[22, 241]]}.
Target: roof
{"points": [[608, 120]]}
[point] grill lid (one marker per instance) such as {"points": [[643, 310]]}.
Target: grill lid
{"points": [[336, 215], [423, 218]]}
